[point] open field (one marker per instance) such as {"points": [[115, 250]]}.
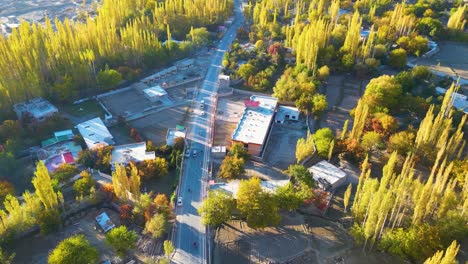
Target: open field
{"points": [[35, 249], [449, 60], [83, 111]]}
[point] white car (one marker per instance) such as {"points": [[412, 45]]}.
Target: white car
{"points": [[203, 113], [187, 153], [179, 201], [194, 152]]}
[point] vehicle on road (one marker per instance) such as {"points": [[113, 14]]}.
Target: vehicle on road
{"points": [[203, 113], [202, 104], [179, 201], [194, 152], [187, 153]]}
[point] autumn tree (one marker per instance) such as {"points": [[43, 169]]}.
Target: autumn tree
{"points": [[64, 172], [231, 167], [457, 19], [301, 175], [449, 256], [322, 139], [157, 226], [347, 195], [304, 148], [168, 248], [43, 185], [398, 58], [320, 104], [75, 249], [84, 185], [217, 208], [382, 93], [154, 168], [121, 240], [6, 188]]}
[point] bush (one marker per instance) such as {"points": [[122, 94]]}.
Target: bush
{"points": [[75, 249], [322, 139], [121, 240], [398, 58]]}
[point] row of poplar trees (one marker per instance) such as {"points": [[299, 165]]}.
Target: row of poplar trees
{"points": [[403, 202], [60, 62]]}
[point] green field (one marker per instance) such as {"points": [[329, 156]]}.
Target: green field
{"points": [[86, 109]]}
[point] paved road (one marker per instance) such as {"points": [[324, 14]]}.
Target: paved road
{"points": [[193, 186]]}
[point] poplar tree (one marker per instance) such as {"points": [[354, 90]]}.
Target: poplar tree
{"points": [[457, 20], [43, 185], [360, 117], [346, 196], [120, 182]]}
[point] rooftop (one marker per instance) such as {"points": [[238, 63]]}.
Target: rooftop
{"points": [[327, 171], [284, 111], [95, 133], [155, 91], [232, 187], [172, 134], [135, 152], [104, 222], [255, 122], [38, 107]]}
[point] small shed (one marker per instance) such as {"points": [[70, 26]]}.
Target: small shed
{"points": [[218, 151], [155, 93], [286, 113], [104, 222], [328, 176]]}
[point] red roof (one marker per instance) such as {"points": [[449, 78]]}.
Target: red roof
{"points": [[250, 103], [68, 157]]}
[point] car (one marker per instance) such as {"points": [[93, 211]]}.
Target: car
{"points": [[203, 113], [194, 152], [187, 153], [179, 201], [202, 104]]}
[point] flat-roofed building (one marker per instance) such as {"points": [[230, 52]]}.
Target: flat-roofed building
{"points": [[286, 113], [173, 133], [155, 93], [135, 152], [254, 125], [328, 176], [38, 109], [232, 187], [95, 133], [184, 64]]}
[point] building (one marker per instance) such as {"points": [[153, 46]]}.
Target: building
{"points": [[460, 101], [224, 81], [155, 93], [184, 64], [95, 133], [135, 152], [218, 152], [38, 109], [58, 150], [232, 187], [173, 133], [254, 125], [328, 176], [104, 222], [286, 113]]}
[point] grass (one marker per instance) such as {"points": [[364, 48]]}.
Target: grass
{"points": [[87, 108]]}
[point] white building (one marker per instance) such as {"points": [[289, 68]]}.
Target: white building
{"points": [[155, 93], [136, 152], [232, 187], [254, 126], [38, 109], [218, 151], [286, 113], [95, 133], [327, 176], [173, 133]]}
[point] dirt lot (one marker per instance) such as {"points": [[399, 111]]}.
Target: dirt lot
{"points": [[281, 149], [229, 112], [154, 126], [449, 60], [127, 103], [36, 249]]}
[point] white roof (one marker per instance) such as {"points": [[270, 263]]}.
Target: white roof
{"points": [[255, 122], [172, 134], [104, 222], [95, 133], [218, 149], [327, 171], [38, 107], [460, 101], [232, 187], [286, 110], [155, 91], [136, 152]]}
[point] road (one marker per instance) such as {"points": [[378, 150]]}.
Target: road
{"points": [[190, 234]]}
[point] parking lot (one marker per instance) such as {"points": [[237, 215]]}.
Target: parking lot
{"points": [[127, 102]]}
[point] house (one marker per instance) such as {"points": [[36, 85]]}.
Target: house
{"points": [[59, 136], [58, 150], [155, 93], [135, 152], [104, 222], [327, 176], [38, 109], [232, 187], [173, 133], [95, 133], [254, 125], [218, 152], [286, 113]]}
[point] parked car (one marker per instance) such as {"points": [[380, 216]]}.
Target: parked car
{"points": [[194, 152], [179, 201], [187, 153]]}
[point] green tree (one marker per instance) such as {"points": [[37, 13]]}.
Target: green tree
{"points": [[259, 207], [121, 240], [65, 172], [398, 58], [199, 36], [304, 148], [323, 73], [402, 142], [168, 248], [347, 195], [457, 19], [322, 139], [108, 78], [288, 197], [74, 250], [450, 256], [320, 104], [5, 258], [238, 150], [301, 175], [217, 208], [83, 185], [381, 93], [231, 167], [246, 70], [157, 226], [371, 140], [43, 185]]}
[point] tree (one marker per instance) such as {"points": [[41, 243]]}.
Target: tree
{"points": [[43, 185], [448, 258], [199, 36], [83, 185], [162, 204], [246, 70], [217, 208], [157, 167], [237, 150], [231, 167], [108, 78], [86, 157], [370, 140], [322, 139], [65, 172], [288, 198], [347, 195], [320, 104], [398, 58], [49, 220], [168, 248], [323, 73], [301, 175], [120, 182], [304, 148], [401, 142], [5, 258], [382, 93], [257, 206], [74, 250], [457, 19], [157, 226], [6, 188], [121, 240]]}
